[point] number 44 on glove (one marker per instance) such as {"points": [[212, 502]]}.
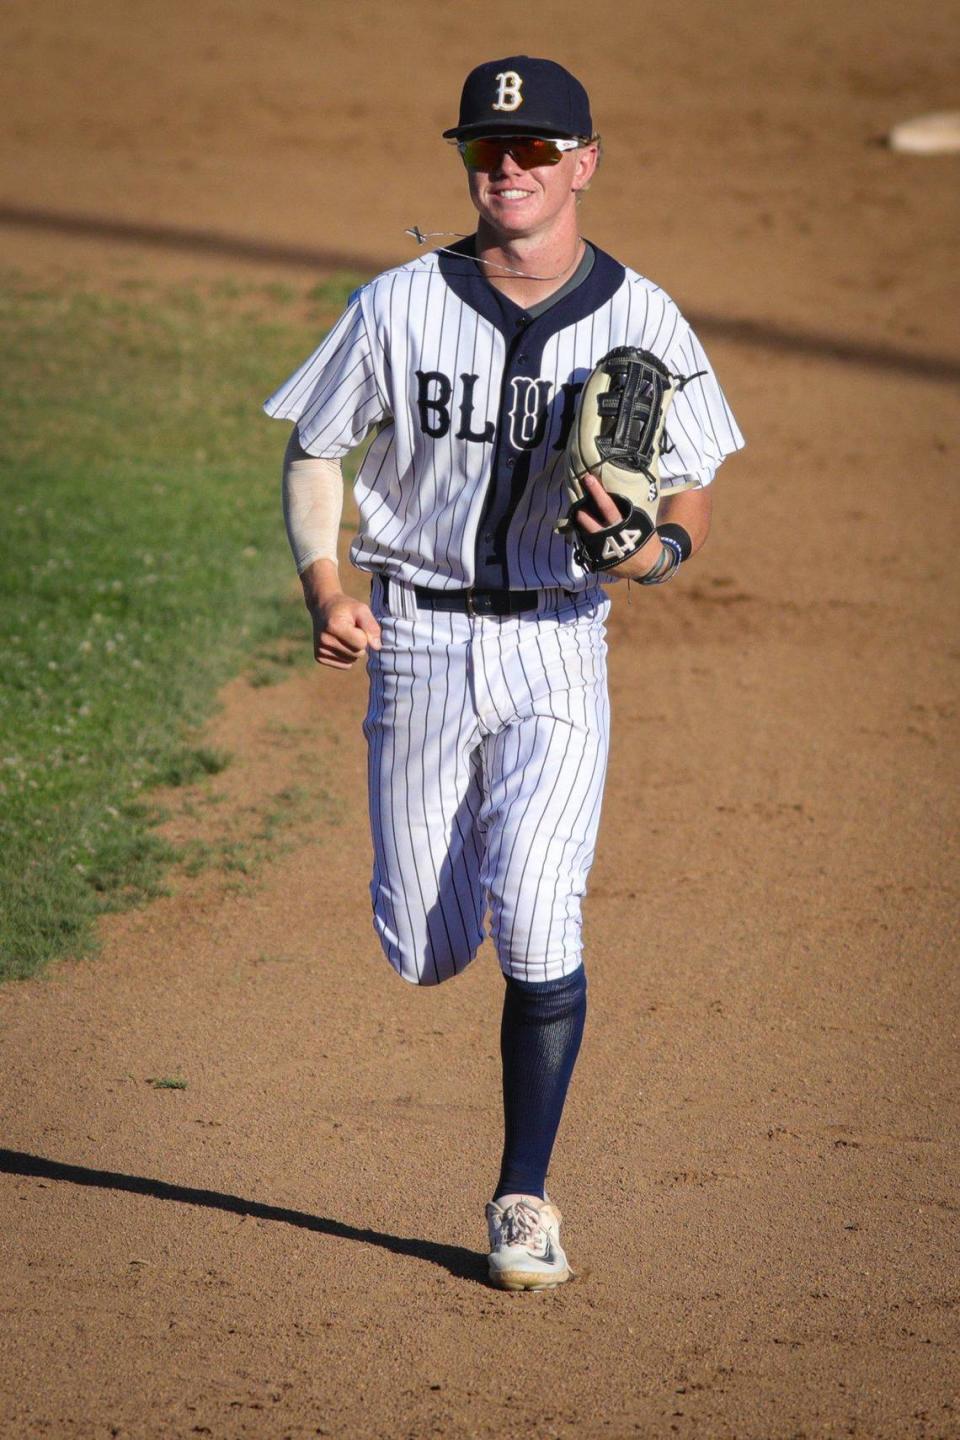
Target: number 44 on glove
{"points": [[617, 435]]}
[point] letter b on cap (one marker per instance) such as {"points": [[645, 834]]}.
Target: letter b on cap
{"points": [[508, 91]]}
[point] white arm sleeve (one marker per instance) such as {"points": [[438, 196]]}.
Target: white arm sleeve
{"points": [[312, 504]]}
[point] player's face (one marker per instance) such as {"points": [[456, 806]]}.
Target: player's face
{"points": [[515, 202]]}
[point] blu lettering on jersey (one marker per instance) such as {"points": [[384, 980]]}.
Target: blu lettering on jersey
{"points": [[528, 415]]}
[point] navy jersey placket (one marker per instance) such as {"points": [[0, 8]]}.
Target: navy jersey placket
{"points": [[510, 469]]}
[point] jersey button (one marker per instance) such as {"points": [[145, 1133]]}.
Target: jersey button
{"points": [[510, 462]]}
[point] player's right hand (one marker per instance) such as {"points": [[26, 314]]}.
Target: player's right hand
{"points": [[342, 630]]}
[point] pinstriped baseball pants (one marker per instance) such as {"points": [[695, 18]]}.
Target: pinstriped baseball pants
{"points": [[487, 743]]}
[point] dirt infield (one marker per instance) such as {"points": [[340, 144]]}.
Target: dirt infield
{"points": [[758, 1163]]}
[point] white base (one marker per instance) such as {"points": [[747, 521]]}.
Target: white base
{"points": [[937, 134]]}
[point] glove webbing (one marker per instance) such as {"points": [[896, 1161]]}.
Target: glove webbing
{"points": [[634, 403]]}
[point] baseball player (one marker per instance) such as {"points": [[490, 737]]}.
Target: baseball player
{"points": [[487, 725]]}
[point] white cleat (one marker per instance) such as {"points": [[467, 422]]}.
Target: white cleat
{"points": [[525, 1249]]}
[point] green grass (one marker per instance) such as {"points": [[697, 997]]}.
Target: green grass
{"points": [[142, 563]]}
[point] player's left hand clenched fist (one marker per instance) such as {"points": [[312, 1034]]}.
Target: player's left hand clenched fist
{"points": [[342, 630]]}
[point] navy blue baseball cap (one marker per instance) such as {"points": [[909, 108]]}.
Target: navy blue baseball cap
{"points": [[522, 96]]}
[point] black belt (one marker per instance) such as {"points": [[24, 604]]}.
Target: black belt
{"points": [[471, 602]]}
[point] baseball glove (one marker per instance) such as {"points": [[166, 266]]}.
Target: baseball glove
{"points": [[618, 435]]}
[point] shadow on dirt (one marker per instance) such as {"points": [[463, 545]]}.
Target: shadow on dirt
{"points": [[464, 1264], [197, 242]]}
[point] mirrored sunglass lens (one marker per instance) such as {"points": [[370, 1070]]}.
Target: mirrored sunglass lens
{"points": [[482, 154], [528, 151], [537, 152]]}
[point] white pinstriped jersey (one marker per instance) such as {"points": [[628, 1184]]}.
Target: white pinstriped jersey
{"points": [[471, 399]]}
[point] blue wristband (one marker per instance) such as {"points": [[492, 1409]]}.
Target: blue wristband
{"points": [[672, 547]]}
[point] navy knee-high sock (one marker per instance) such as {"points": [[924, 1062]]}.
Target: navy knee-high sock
{"points": [[539, 1041]]}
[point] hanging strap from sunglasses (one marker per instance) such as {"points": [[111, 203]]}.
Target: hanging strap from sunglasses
{"points": [[617, 436]]}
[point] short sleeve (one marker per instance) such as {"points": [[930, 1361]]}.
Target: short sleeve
{"points": [[700, 424], [335, 396]]}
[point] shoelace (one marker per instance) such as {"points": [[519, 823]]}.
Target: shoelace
{"points": [[520, 1223]]}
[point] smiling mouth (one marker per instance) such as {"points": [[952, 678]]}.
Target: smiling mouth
{"points": [[511, 194]]}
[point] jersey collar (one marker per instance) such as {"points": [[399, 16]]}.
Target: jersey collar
{"points": [[463, 276]]}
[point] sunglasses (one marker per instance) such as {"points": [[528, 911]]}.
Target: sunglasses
{"points": [[529, 151]]}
